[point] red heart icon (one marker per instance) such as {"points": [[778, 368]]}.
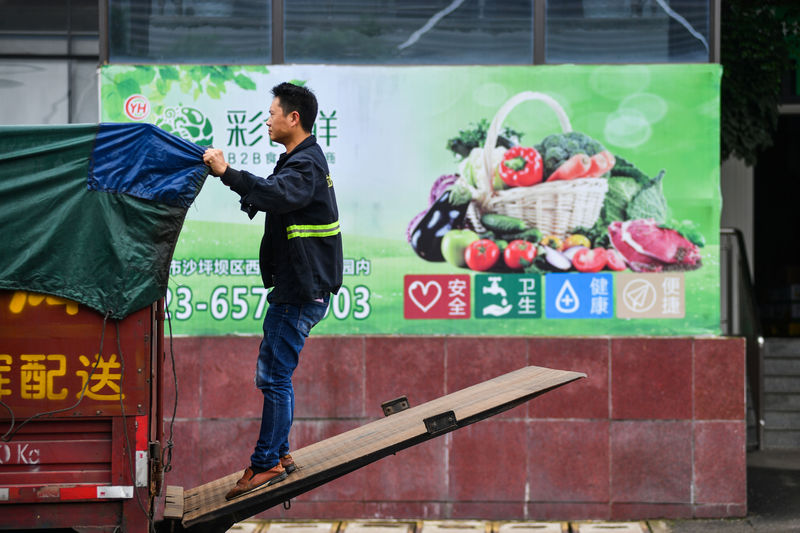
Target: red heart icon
{"points": [[425, 295]]}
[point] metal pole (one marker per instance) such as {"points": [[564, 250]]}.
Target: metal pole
{"points": [[539, 16], [714, 29], [277, 32], [103, 37]]}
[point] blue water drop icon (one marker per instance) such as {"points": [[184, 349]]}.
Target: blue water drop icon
{"points": [[567, 300]]}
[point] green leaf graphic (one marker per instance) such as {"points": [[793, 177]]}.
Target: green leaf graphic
{"points": [[217, 76], [244, 82], [198, 73], [143, 74], [112, 104], [128, 86], [168, 73]]}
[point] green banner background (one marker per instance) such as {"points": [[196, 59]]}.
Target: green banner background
{"points": [[385, 132]]}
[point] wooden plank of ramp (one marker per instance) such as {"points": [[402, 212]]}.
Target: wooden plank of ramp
{"points": [[205, 507], [174, 502]]}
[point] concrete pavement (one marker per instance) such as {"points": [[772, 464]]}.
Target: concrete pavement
{"points": [[773, 498], [773, 493]]}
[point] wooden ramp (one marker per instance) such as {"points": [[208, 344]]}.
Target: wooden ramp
{"points": [[206, 510]]}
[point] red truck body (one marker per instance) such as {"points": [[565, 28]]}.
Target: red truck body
{"points": [[82, 434]]}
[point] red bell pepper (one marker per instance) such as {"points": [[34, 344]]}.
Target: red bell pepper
{"points": [[521, 167]]}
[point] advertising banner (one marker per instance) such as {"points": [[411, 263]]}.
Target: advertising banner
{"points": [[474, 200]]}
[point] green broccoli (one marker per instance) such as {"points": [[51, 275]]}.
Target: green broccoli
{"points": [[557, 148], [475, 137]]}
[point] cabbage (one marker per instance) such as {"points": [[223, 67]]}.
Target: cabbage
{"points": [[649, 202], [473, 168], [441, 184], [620, 193]]}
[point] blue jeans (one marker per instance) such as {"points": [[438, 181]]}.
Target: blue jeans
{"points": [[286, 327]]}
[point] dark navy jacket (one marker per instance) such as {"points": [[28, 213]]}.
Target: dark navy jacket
{"points": [[302, 245]]}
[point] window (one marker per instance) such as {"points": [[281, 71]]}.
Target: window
{"points": [[48, 57], [627, 31], [419, 32], [409, 32], [53, 28], [190, 31]]}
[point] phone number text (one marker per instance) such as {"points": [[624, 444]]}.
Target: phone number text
{"points": [[250, 302]]}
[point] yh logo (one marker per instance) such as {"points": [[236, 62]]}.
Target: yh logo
{"points": [[137, 107]]}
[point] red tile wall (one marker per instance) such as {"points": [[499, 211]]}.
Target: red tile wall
{"points": [[656, 430]]}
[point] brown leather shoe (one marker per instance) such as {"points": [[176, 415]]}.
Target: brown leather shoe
{"points": [[251, 481], [288, 463]]}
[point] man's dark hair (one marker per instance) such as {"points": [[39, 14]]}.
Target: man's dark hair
{"points": [[295, 98]]}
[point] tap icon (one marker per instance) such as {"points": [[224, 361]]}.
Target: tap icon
{"points": [[495, 287]]}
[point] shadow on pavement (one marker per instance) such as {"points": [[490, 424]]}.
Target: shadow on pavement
{"points": [[773, 498]]}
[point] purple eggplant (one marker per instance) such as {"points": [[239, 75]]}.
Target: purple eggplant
{"points": [[442, 216]]}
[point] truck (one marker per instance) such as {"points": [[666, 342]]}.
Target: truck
{"points": [[81, 415]]}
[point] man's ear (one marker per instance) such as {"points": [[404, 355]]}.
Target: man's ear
{"points": [[294, 116]]}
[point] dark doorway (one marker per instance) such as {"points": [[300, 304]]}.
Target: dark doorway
{"points": [[776, 227]]}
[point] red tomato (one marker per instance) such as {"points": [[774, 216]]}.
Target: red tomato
{"points": [[589, 260], [521, 167], [615, 260], [519, 254], [481, 255]]}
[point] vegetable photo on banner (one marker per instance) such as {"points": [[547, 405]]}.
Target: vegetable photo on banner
{"points": [[560, 196]]}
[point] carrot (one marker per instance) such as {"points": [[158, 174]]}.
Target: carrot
{"points": [[602, 162], [575, 167]]}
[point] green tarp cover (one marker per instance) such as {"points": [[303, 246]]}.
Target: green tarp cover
{"points": [[92, 212]]}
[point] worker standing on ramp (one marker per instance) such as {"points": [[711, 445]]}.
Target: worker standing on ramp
{"points": [[300, 259]]}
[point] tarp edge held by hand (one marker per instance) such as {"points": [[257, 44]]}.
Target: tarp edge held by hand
{"points": [[93, 212]]}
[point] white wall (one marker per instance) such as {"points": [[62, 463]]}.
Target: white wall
{"points": [[736, 181], [42, 91]]}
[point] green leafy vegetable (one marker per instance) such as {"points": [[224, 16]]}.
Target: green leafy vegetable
{"points": [[459, 195], [475, 137], [622, 168], [688, 229], [631, 195], [649, 202], [597, 234], [620, 193]]}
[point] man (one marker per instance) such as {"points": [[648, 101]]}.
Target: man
{"points": [[301, 259]]}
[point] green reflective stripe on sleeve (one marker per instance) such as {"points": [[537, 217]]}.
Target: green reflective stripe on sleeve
{"points": [[312, 230]]}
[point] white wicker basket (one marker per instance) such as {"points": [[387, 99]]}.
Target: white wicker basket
{"points": [[555, 208]]}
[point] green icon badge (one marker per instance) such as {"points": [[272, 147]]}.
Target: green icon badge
{"points": [[508, 296]]}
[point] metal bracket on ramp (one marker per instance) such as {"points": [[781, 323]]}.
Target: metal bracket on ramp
{"points": [[395, 406], [440, 424]]}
